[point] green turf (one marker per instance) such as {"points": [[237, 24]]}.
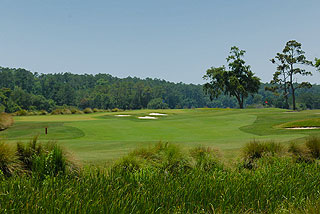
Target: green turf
{"points": [[102, 137]]}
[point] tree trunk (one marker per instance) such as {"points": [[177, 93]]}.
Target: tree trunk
{"points": [[286, 96], [240, 101], [286, 90], [293, 98], [292, 90]]}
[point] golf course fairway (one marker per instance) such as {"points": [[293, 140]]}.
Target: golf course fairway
{"points": [[105, 136]]}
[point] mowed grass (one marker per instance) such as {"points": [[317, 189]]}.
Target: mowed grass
{"points": [[102, 137]]}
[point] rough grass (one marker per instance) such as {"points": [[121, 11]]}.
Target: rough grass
{"points": [[164, 179]]}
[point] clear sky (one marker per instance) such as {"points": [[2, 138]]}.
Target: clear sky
{"points": [[175, 40]]}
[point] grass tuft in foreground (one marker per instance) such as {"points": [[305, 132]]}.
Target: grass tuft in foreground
{"points": [[163, 179]]}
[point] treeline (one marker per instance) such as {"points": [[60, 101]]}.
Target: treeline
{"points": [[22, 89]]}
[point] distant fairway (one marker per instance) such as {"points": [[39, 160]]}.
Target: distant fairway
{"points": [[102, 137]]}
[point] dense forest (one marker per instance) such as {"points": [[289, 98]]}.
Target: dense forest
{"points": [[22, 89]]}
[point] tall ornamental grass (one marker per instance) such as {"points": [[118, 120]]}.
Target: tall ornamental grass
{"points": [[6, 121], [166, 179]]}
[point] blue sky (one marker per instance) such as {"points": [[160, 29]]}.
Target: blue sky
{"points": [[175, 40]]}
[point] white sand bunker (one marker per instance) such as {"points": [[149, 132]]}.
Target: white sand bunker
{"points": [[157, 114], [122, 115], [148, 117], [304, 128]]}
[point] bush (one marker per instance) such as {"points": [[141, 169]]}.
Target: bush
{"points": [[22, 112], [6, 121], [66, 111], [61, 111], [74, 110], [87, 111], [95, 110], [43, 112], [56, 112], [157, 103], [115, 110]]}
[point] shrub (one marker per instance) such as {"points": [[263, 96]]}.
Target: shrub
{"points": [[74, 110], [31, 113], [61, 111], [66, 111], [8, 160], [56, 112], [157, 103], [22, 112], [43, 112], [6, 121], [95, 110], [87, 111], [115, 110]]}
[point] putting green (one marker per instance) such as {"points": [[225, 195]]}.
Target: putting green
{"points": [[102, 137]]}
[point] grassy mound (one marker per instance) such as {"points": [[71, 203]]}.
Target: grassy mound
{"points": [[315, 122]]}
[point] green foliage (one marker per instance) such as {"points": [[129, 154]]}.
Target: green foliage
{"points": [[317, 64], [239, 81], [280, 81], [157, 103], [292, 56], [115, 110], [102, 91], [50, 163], [21, 112], [87, 111]]}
